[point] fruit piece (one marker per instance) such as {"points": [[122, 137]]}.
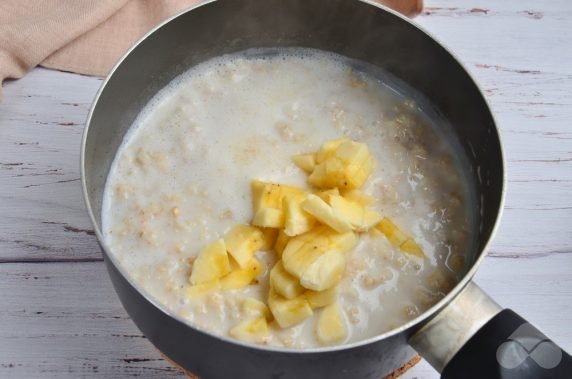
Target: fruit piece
{"points": [[319, 233], [243, 277], [211, 263], [283, 283], [328, 174], [328, 149], [325, 195], [288, 312], [352, 152], [359, 197], [297, 221], [391, 232], [267, 203], [202, 289], [359, 163], [319, 177], [269, 238], [302, 250], [305, 161], [341, 163], [411, 247], [281, 242], [269, 218], [242, 241], [324, 213], [325, 271], [348, 210], [398, 238], [297, 260], [319, 299], [255, 308], [251, 330], [343, 242], [359, 217], [330, 327], [265, 195], [356, 175], [317, 258], [324, 238]]}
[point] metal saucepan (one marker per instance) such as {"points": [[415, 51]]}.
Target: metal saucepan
{"points": [[466, 334]]}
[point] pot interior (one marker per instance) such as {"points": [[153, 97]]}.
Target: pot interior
{"points": [[351, 28]]}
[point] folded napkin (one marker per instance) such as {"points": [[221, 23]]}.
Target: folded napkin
{"points": [[88, 36]]}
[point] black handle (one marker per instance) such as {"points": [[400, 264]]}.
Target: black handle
{"points": [[508, 347]]}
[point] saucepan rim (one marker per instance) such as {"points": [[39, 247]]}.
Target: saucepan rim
{"points": [[419, 320]]}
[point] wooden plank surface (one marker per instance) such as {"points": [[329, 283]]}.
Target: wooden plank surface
{"points": [[69, 326], [59, 317]]}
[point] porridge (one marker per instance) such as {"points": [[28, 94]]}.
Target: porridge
{"points": [[236, 171]]}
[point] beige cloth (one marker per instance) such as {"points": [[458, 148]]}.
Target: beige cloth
{"points": [[87, 36]]}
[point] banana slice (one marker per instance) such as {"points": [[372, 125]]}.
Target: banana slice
{"points": [[251, 330], [288, 312], [330, 327], [211, 263], [283, 283]]}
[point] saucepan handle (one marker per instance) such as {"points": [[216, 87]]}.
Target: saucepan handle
{"points": [[509, 347], [473, 337]]}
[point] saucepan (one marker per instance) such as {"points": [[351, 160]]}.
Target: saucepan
{"points": [[466, 334]]}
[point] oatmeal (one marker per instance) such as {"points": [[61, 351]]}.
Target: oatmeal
{"points": [[182, 179]]}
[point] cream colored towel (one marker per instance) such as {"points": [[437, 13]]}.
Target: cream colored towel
{"points": [[87, 36]]}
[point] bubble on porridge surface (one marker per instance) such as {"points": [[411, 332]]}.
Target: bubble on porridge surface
{"points": [[181, 179]]}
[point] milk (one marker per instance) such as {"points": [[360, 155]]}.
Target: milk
{"points": [[182, 177]]}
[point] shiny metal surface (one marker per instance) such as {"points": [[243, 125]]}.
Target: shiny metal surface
{"points": [[442, 337], [357, 29]]}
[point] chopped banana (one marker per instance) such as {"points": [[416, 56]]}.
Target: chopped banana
{"points": [[269, 238], [243, 277], [391, 232], [328, 149], [298, 259], [305, 161], [352, 152], [358, 160], [251, 330], [283, 283], [325, 195], [211, 263], [360, 217], [281, 242], [242, 241], [322, 211], [268, 218], [267, 201], [288, 312], [330, 327], [319, 234], [359, 197], [343, 242], [311, 235], [411, 247], [398, 238], [342, 163], [255, 308], [320, 299], [329, 174], [356, 175], [324, 272], [301, 250], [202, 289], [297, 221], [317, 258]]}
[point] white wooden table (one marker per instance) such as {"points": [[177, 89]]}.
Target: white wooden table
{"points": [[59, 316]]}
